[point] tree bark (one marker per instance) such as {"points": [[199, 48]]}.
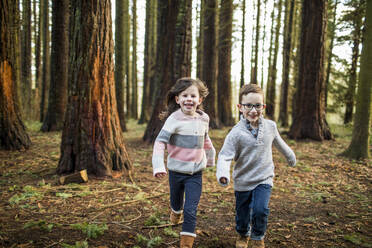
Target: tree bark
{"points": [[26, 60], [92, 138], [257, 38], [209, 71], [59, 67], [309, 113], [134, 104], [13, 134], [287, 50], [359, 146], [271, 85], [242, 60], [224, 63], [164, 75], [120, 61], [46, 61], [38, 68]]}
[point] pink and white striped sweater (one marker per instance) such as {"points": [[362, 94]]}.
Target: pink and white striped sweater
{"points": [[189, 147]]}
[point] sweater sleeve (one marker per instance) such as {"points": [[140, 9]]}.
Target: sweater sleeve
{"points": [[161, 140], [225, 157], [209, 151], [280, 144]]}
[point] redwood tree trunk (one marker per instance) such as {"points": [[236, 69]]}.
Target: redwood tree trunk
{"points": [[13, 134], [224, 63], [167, 19], [209, 71], [92, 137], [309, 112], [46, 61], [59, 67]]}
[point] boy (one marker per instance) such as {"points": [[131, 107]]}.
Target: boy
{"points": [[249, 143]]}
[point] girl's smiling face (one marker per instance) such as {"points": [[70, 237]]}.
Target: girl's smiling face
{"points": [[189, 100]]}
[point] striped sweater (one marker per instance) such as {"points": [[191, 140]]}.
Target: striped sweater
{"points": [[189, 147]]}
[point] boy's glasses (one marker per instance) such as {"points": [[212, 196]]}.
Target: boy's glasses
{"points": [[249, 106]]}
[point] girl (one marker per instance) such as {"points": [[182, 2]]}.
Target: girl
{"points": [[249, 144], [190, 150]]}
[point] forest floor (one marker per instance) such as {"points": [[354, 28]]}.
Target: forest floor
{"points": [[325, 201]]}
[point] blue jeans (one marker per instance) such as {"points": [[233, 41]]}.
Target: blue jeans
{"points": [[252, 211], [190, 186]]}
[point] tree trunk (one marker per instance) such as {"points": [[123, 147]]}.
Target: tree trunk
{"points": [[128, 73], [92, 137], [166, 36], [242, 80], [257, 38], [287, 49], [309, 113], [26, 59], [46, 61], [150, 27], [183, 45], [120, 60], [38, 68], [13, 134], [271, 85], [357, 36], [359, 146], [134, 104], [209, 70], [199, 48], [59, 67], [224, 63], [263, 47], [332, 31]]}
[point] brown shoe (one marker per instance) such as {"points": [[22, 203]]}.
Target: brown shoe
{"points": [[175, 218], [241, 242], [256, 243], [186, 241]]}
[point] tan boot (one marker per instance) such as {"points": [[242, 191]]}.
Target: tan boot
{"points": [[241, 242], [256, 243], [175, 218], [186, 241]]}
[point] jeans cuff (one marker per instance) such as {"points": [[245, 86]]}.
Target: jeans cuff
{"points": [[177, 212], [188, 234]]}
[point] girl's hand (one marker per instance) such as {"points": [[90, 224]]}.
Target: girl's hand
{"points": [[223, 180], [160, 174]]}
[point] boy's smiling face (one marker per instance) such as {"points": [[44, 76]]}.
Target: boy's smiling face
{"points": [[189, 100], [252, 115]]}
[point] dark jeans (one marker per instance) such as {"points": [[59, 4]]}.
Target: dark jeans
{"points": [[252, 211], [191, 186]]}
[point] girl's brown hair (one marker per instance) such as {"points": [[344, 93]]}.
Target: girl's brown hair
{"points": [[181, 85]]}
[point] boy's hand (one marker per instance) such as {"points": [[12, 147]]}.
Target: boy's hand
{"points": [[160, 174], [223, 180]]}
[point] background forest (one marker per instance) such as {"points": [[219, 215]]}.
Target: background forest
{"points": [[82, 84]]}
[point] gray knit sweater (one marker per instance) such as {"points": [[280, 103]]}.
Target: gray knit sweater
{"points": [[253, 157]]}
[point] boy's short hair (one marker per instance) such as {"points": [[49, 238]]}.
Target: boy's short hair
{"points": [[249, 88]]}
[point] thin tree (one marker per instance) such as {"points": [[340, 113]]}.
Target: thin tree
{"points": [[359, 146], [199, 48], [120, 60], [287, 49], [356, 19], [166, 36], [92, 137], [128, 73], [134, 103], [149, 61], [271, 83], [46, 61], [309, 113], [242, 62], [59, 67], [331, 31], [38, 68], [26, 59], [13, 134], [263, 44], [209, 71], [257, 38], [224, 62]]}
